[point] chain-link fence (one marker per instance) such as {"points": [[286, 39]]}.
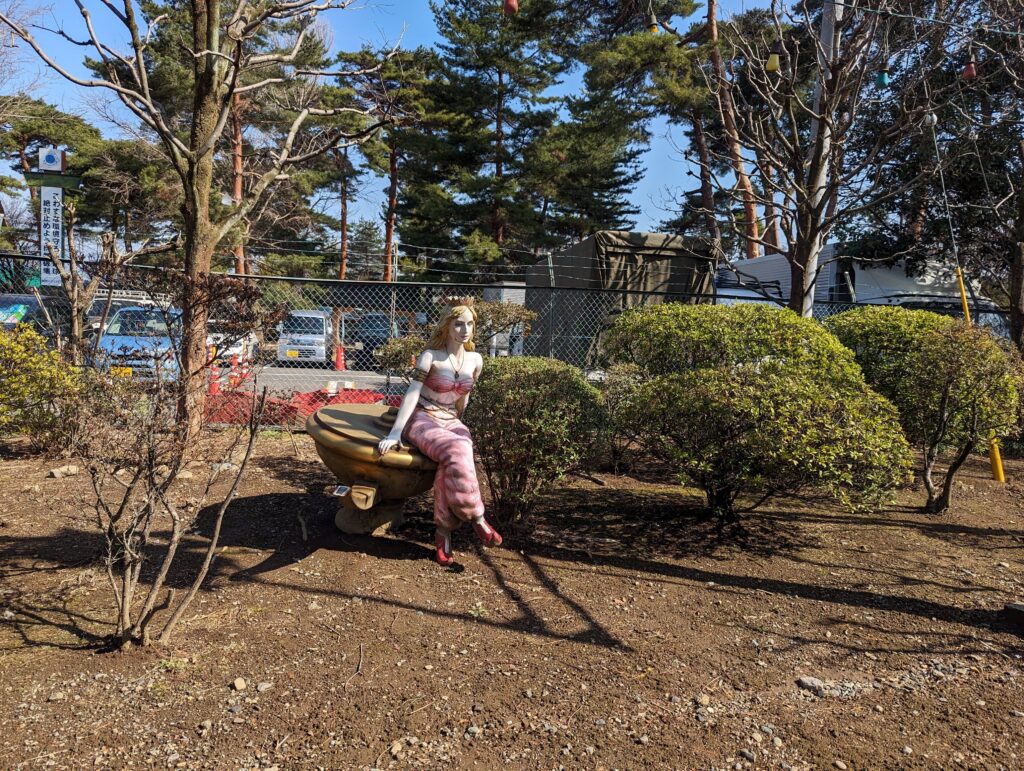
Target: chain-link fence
{"points": [[311, 342]]}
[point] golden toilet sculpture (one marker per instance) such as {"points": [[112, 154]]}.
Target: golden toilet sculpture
{"points": [[373, 487]]}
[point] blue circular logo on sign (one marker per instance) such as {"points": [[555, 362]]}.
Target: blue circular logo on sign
{"points": [[51, 158]]}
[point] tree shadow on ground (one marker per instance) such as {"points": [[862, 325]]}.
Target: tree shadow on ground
{"points": [[617, 530]]}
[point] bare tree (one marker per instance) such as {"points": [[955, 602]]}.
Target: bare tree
{"points": [[794, 124], [226, 61], [135, 453]]}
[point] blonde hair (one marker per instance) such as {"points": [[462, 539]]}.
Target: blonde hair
{"points": [[439, 337]]}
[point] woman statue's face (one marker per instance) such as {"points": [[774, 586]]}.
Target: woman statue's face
{"points": [[461, 327]]}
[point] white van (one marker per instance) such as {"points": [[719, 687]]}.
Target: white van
{"points": [[306, 336]]}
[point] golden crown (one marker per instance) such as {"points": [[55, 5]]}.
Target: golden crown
{"points": [[452, 301]]}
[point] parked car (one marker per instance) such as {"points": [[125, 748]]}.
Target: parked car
{"points": [[307, 336], [228, 342], [18, 309], [141, 342], [119, 299], [373, 329]]}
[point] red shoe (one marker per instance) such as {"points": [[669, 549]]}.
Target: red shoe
{"points": [[488, 535], [443, 549]]}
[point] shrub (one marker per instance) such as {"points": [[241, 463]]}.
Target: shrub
{"points": [[663, 339], [616, 435], [752, 401], [757, 431], [533, 420], [36, 390], [953, 384], [398, 356]]}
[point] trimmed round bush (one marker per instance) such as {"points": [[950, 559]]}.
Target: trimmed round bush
{"points": [[954, 384], [533, 420], [755, 431], [749, 401], [663, 339]]}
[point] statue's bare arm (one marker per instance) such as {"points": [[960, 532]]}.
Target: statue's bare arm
{"points": [[409, 402]]}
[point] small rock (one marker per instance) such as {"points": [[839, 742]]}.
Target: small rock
{"points": [[840, 765], [645, 739], [756, 737], [674, 699], [396, 747], [261, 687], [600, 722], [703, 699], [60, 472], [1003, 564], [478, 707], [205, 726], [590, 749], [222, 466], [980, 703], [239, 684], [777, 741], [234, 709], [749, 755], [8, 614], [907, 750], [57, 696], [473, 731], [812, 684], [528, 693], [1016, 713], [185, 474]]}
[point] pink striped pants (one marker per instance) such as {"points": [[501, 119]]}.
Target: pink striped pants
{"points": [[448, 442]]}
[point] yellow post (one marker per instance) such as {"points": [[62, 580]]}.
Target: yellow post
{"points": [[963, 294], [996, 459]]}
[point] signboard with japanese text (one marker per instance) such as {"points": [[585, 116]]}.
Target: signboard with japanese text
{"points": [[51, 216], [51, 231]]}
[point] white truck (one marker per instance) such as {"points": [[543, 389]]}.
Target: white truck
{"points": [[306, 336]]}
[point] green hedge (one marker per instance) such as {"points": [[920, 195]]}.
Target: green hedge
{"points": [[954, 384], [533, 420]]}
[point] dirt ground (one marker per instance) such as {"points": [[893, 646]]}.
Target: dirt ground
{"points": [[622, 634]]}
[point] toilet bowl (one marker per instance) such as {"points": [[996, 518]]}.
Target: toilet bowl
{"points": [[373, 487]]}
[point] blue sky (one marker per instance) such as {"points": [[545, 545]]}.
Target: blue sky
{"points": [[378, 22]]}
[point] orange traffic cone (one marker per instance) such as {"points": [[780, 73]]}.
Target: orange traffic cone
{"points": [[213, 386], [339, 358]]}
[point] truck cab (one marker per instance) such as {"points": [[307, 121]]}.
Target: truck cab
{"points": [[306, 336]]}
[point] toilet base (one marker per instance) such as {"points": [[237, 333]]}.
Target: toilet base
{"points": [[376, 520]]}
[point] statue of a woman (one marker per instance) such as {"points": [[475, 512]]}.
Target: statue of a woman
{"points": [[429, 419]]}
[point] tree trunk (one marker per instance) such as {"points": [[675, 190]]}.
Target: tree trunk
{"points": [[236, 163], [803, 260], [499, 160], [200, 236], [336, 313], [344, 218], [772, 233], [937, 504], [26, 166], [707, 191], [1017, 272], [732, 137], [389, 225]]}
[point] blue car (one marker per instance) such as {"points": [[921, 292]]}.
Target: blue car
{"points": [[141, 342]]}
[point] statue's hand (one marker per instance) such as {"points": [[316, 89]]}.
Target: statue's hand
{"points": [[388, 443]]}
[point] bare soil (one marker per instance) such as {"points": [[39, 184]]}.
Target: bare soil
{"points": [[623, 633]]}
